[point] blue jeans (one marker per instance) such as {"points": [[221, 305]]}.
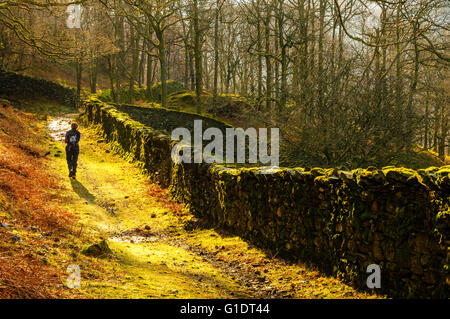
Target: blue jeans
{"points": [[72, 158]]}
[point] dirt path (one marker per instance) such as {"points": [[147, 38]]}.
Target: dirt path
{"points": [[155, 254]]}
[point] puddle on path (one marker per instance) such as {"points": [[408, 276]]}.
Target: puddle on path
{"points": [[133, 239], [59, 126]]}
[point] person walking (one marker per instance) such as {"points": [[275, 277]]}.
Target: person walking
{"points": [[72, 149]]}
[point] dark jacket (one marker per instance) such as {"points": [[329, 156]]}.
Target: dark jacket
{"points": [[72, 139]]}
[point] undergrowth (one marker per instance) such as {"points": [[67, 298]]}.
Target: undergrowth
{"points": [[28, 214]]}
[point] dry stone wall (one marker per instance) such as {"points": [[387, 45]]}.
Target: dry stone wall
{"points": [[340, 221]]}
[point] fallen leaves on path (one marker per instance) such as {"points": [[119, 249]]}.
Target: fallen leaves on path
{"points": [[27, 210]]}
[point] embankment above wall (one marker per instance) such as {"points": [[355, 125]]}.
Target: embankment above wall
{"points": [[13, 84]]}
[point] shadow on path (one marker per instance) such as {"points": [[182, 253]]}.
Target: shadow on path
{"points": [[82, 191]]}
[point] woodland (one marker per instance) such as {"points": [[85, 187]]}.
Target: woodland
{"points": [[349, 83]]}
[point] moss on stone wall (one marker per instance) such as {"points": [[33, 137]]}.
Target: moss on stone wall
{"points": [[342, 221]]}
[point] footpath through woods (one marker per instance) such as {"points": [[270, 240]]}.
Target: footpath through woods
{"points": [[159, 250]]}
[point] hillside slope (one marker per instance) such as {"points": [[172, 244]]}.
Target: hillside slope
{"points": [[32, 223]]}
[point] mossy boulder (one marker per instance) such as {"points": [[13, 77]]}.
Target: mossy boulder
{"points": [[182, 98], [99, 250], [230, 106], [137, 94], [172, 87]]}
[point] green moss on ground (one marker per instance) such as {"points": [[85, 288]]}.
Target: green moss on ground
{"points": [[113, 199]]}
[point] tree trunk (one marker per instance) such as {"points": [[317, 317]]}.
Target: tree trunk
{"points": [[284, 61], [426, 129], [134, 67], [444, 129], [198, 57], [268, 62], [79, 71], [412, 91], [142, 58], [191, 70], [186, 67], [216, 53], [162, 64], [320, 76], [111, 77], [149, 73], [259, 48], [93, 75]]}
